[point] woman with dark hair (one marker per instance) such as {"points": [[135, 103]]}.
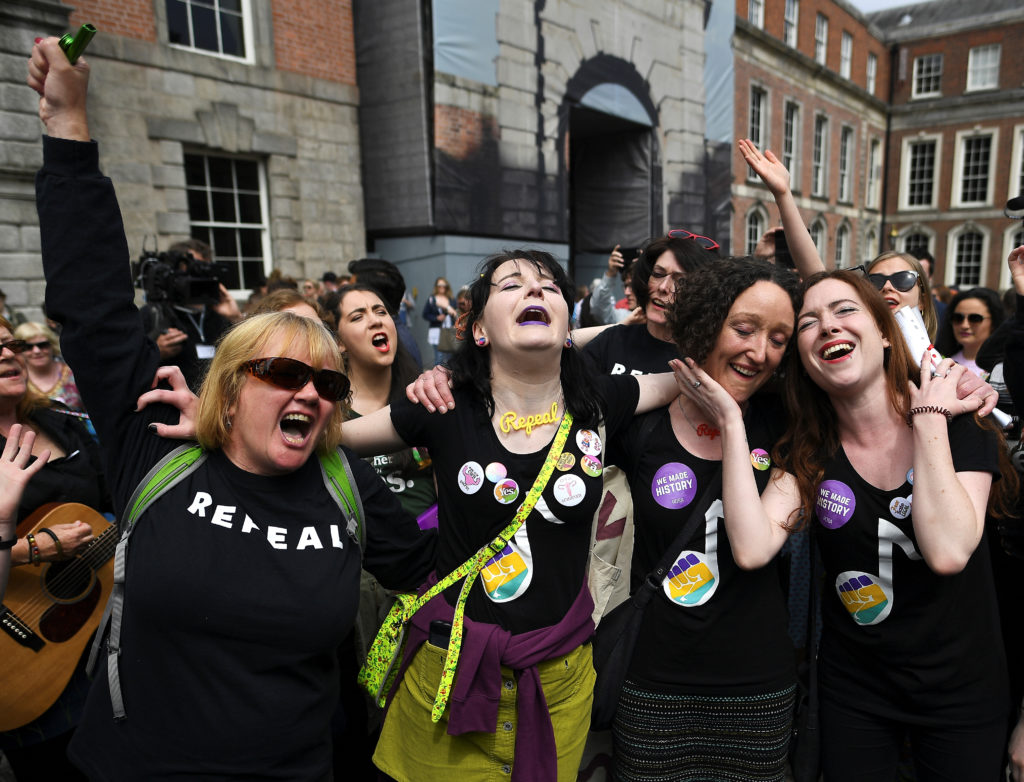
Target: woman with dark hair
{"points": [[692, 678], [894, 480], [522, 693], [971, 318], [290, 300]]}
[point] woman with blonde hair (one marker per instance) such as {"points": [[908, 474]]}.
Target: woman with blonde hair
{"points": [[48, 375], [439, 313]]}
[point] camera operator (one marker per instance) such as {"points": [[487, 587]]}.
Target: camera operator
{"points": [[186, 331]]}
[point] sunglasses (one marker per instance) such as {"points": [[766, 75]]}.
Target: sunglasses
{"points": [[42, 345], [704, 241], [901, 281], [292, 375], [973, 318], [14, 345]]}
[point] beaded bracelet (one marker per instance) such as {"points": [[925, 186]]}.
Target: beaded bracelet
{"points": [[927, 409], [56, 540], [33, 550]]}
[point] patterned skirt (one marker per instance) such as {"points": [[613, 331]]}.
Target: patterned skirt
{"points": [[662, 737]]}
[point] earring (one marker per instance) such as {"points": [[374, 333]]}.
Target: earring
{"points": [[482, 341], [568, 342]]}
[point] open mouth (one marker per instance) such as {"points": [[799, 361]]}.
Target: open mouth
{"points": [[10, 373], [295, 427], [745, 371], [533, 316], [661, 304], [836, 350], [893, 302], [381, 342]]}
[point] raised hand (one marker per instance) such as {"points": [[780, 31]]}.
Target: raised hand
{"points": [[1015, 260], [767, 166], [178, 396], [16, 470], [62, 89]]}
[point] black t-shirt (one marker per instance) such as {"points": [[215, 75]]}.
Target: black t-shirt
{"points": [[700, 630], [480, 486], [630, 350], [900, 640]]}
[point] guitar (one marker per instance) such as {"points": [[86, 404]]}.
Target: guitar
{"points": [[49, 614]]}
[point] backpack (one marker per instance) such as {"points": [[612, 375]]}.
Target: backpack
{"points": [[165, 474]]}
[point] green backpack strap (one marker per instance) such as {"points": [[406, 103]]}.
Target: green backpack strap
{"points": [[338, 478], [167, 472]]}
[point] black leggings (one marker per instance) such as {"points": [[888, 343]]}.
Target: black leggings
{"points": [[862, 747]]}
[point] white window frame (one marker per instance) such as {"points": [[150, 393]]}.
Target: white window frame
{"points": [[843, 246], [962, 137], [846, 157], [263, 226], [846, 55], [247, 34], [819, 224], [914, 230], [793, 156], [869, 250], [755, 13], [819, 157], [760, 137], [791, 22], [919, 63], [874, 186], [756, 213], [952, 239], [1015, 187], [1008, 245], [905, 171], [821, 39], [872, 72], [976, 69]]}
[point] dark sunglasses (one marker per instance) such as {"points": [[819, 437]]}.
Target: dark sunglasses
{"points": [[704, 241], [14, 345], [42, 345], [292, 375], [973, 318], [901, 281]]}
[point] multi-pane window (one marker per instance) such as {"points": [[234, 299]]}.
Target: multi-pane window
{"points": [[843, 247], [755, 227], [915, 243], [983, 67], [845, 55], [791, 142], [921, 173], [211, 25], [975, 162], [758, 121], [821, 38], [845, 164], [819, 232], [872, 72], [870, 247], [927, 75], [968, 258], [790, 18], [226, 210], [755, 12], [819, 156], [874, 173]]}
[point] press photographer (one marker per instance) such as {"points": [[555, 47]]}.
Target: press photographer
{"points": [[187, 307]]}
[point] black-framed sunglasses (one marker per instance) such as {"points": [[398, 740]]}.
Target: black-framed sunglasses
{"points": [[974, 318], [291, 375], [14, 345], [704, 241], [901, 281], [43, 344]]}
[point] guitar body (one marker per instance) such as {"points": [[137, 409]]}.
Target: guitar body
{"points": [[49, 614]]}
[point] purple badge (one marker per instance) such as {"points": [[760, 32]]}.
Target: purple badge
{"points": [[836, 503], [674, 486]]}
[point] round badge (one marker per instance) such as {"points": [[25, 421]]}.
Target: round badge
{"points": [[565, 462], [471, 477], [835, 504], [495, 472], [591, 466], [674, 486], [900, 507], [910, 476], [760, 459], [569, 490], [506, 491], [588, 441]]}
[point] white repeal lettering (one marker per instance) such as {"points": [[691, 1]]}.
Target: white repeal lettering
{"points": [[200, 503], [249, 525], [222, 515], [275, 537], [309, 538], [890, 535]]}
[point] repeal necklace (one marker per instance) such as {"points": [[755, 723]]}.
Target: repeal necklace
{"points": [[704, 430], [512, 420]]}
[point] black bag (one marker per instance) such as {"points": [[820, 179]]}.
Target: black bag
{"points": [[616, 635], [805, 738]]}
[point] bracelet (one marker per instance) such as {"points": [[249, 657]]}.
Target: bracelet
{"points": [[33, 550], [7, 544], [56, 540], [927, 409]]}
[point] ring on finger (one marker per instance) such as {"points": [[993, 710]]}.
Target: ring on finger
{"points": [[696, 384]]}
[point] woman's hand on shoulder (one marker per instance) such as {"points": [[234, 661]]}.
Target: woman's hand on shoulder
{"points": [[179, 396], [940, 390], [971, 386], [16, 470], [433, 390]]}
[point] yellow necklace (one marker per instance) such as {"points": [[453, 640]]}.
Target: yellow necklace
{"points": [[512, 420]]}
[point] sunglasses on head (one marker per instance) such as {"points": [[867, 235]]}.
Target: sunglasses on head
{"points": [[292, 375], [14, 345], [901, 281], [704, 241], [973, 318]]}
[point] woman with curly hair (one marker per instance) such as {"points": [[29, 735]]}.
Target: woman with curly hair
{"points": [[894, 480], [692, 678]]}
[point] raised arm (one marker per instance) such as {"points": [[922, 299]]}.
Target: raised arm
{"points": [[776, 179]]}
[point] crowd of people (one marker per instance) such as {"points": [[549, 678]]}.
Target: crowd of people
{"points": [[731, 397]]}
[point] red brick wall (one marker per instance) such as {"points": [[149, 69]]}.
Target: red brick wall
{"points": [[459, 132], [315, 38], [128, 18]]}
